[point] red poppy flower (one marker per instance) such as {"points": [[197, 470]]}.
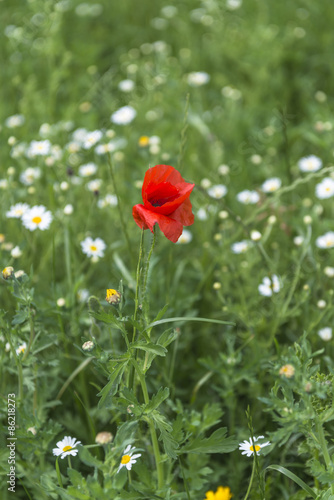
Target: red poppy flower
{"points": [[166, 202]]}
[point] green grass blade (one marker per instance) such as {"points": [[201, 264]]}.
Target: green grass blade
{"points": [[294, 478], [187, 318]]}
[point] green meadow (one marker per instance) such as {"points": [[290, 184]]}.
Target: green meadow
{"points": [[167, 250]]}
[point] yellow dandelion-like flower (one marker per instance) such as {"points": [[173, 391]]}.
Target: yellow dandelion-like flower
{"points": [[222, 493], [143, 141]]}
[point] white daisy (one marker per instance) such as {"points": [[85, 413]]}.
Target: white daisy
{"points": [[87, 169], [255, 235], [37, 217], [217, 191], [298, 240], [21, 348], [83, 295], [202, 214], [126, 85], [109, 200], [16, 252], [93, 248], [79, 135], [233, 4], [14, 121], [29, 175], [91, 139], [198, 78], [310, 164], [325, 188], [325, 333], [326, 240], [271, 185], [16, 211], [248, 197], [68, 209], [38, 148], [248, 448], [329, 271], [94, 185], [269, 286], [124, 115], [66, 447], [240, 246], [185, 237], [111, 146], [128, 458]]}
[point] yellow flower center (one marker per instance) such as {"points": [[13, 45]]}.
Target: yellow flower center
{"points": [[257, 448], [329, 243], [111, 292], [93, 248], [37, 219], [67, 448], [125, 459]]}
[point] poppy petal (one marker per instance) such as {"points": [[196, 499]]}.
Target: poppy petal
{"points": [[184, 214], [146, 219]]}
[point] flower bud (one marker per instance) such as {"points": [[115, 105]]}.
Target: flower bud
{"points": [[7, 272], [113, 296], [88, 346], [103, 437]]}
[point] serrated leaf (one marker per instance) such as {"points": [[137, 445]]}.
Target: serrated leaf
{"points": [[110, 389], [157, 399], [87, 458], [129, 396], [107, 318], [169, 442], [216, 443], [75, 477], [149, 347]]}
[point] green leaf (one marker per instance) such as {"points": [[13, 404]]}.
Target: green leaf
{"points": [[110, 389], [75, 477], [216, 443], [167, 337], [87, 458], [188, 318], [125, 432], [294, 478], [159, 350], [20, 317], [107, 318], [157, 399], [169, 442]]}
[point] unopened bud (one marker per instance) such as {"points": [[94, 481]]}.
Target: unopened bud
{"points": [[7, 272], [103, 438], [88, 346], [113, 296]]}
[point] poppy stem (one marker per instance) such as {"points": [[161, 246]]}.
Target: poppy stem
{"points": [[147, 269], [138, 276]]}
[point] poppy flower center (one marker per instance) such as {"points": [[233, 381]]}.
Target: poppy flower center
{"points": [[162, 193], [37, 219], [257, 448], [125, 459], [67, 448]]}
